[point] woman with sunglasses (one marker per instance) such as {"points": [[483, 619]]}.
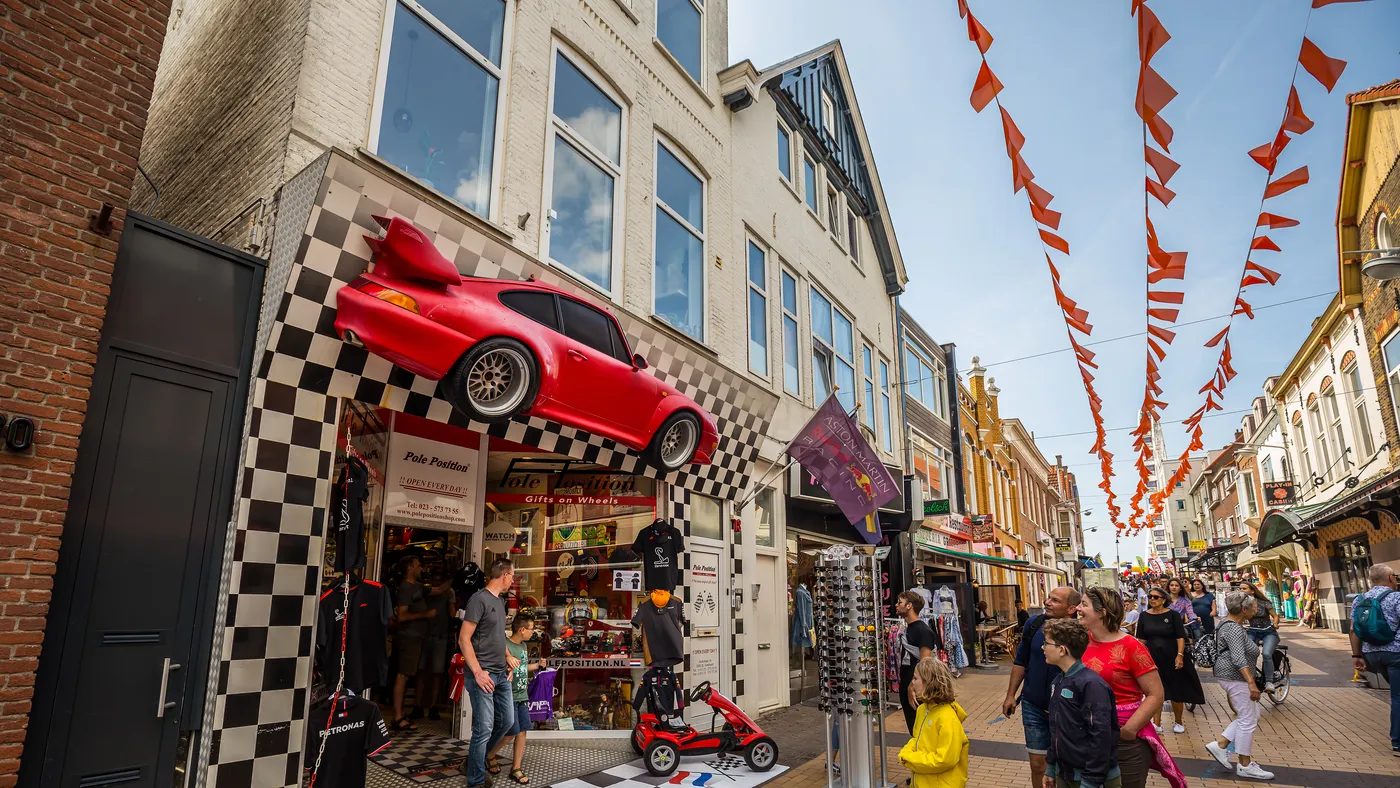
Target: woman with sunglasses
{"points": [[1162, 630], [1127, 666], [1263, 629]]}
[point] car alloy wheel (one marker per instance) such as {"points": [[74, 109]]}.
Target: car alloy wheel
{"points": [[678, 443], [498, 381]]}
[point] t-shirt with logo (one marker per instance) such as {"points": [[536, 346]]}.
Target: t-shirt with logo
{"points": [[355, 732], [660, 545], [520, 677], [348, 515], [366, 661], [662, 627]]}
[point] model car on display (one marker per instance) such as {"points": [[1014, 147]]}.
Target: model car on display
{"points": [[504, 349], [662, 746]]}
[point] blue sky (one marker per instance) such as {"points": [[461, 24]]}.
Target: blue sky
{"points": [[977, 276]]}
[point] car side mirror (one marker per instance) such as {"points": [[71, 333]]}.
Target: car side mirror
{"points": [[638, 361]]}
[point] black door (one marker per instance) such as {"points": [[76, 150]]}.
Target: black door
{"points": [[126, 653], [152, 498]]}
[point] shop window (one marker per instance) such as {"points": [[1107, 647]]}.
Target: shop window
{"points": [[680, 27], [586, 165], [706, 518], [1354, 563], [439, 96], [679, 289], [535, 305], [792, 373], [758, 309], [765, 534]]}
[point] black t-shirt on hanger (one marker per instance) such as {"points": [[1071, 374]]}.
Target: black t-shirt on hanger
{"points": [[348, 515], [660, 546], [356, 732], [366, 662]]}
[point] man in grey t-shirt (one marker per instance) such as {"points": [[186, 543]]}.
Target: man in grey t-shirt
{"points": [[411, 610], [483, 643]]}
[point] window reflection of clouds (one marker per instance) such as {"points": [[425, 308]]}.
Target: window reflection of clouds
{"points": [[587, 110], [581, 234], [679, 287], [439, 113]]}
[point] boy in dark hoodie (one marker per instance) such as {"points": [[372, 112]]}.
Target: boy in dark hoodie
{"points": [[1083, 719]]}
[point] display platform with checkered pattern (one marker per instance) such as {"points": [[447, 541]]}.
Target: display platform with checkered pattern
{"points": [[264, 646], [422, 757], [727, 770]]}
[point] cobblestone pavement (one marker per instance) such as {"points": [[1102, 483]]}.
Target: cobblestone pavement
{"points": [[1329, 734]]}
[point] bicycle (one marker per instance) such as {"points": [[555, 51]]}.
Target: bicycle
{"points": [[1203, 653]]}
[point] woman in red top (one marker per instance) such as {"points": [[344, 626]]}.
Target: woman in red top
{"points": [[1124, 662]]}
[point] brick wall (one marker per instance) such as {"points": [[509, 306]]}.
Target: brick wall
{"points": [[75, 82]]}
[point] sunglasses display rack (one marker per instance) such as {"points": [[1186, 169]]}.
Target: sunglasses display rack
{"points": [[850, 658]]}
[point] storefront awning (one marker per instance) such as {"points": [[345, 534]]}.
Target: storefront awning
{"points": [[1288, 525], [1252, 555], [990, 560], [1218, 559]]}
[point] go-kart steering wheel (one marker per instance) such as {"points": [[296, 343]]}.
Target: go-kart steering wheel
{"points": [[700, 693]]}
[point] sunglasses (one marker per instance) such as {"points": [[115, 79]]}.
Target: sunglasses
{"points": [[1155, 596]]}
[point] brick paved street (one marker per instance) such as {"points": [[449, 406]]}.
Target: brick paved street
{"points": [[1329, 734]]}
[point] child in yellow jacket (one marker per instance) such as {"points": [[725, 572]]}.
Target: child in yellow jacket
{"points": [[937, 748]]}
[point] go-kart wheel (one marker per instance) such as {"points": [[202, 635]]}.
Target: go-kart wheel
{"points": [[661, 757], [493, 381], [673, 446], [761, 754], [636, 742]]}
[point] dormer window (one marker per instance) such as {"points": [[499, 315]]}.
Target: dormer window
{"points": [[828, 115]]}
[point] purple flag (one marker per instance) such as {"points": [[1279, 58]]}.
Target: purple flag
{"points": [[831, 449]]}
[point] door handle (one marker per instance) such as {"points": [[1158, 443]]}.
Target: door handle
{"points": [[577, 355], [764, 646], [162, 706]]}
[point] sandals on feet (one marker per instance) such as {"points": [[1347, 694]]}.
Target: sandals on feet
{"points": [[519, 776], [404, 724], [493, 765]]}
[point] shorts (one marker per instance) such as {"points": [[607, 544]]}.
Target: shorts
{"points": [[1037, 725], [408, 654], [434, 655], [522, 719]]}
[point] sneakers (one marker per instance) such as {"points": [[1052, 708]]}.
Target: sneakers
{"points": [[1395, 751], [1178, 728], [1253, 771], [1157, 728], [1218, 753], [1268, 686]]}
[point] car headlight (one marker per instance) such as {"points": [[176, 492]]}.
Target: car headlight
{"points": [[401, 300]]}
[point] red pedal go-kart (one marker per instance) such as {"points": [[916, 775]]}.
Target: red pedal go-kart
{"points": [[661, 747]]}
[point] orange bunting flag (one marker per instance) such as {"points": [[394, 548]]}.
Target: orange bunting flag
{"points": [[1294, 119], [1153, 95], [978, 34], [1266, 155], [1162, 193], [1274, 221], [1251, 280], [1151, 35], [1270, 276], [1215, 340], [1020, 173], [1160, 163], [1242, 307], [1166, 315], [1045, 216], [1326, 70], [1174, 269], [1015, 140], [1287, 183], [1165, 298], [1161, 333], [1156, 348], [1054, 241], [1039, 197], [1321, 3], [962, 8], [1211, 386], [985, 88], [1265, 243], [1161, 132]]}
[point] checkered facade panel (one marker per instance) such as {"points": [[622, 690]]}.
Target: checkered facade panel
{"points": [[265, 652]]}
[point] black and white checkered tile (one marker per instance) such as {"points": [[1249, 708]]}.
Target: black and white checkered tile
{"points": [[712, 771], [265, 646]]}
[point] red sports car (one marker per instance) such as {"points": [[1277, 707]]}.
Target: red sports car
{"points": [[507, 348]]}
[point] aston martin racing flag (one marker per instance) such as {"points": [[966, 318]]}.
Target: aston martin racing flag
{"points": [[831, 449]]}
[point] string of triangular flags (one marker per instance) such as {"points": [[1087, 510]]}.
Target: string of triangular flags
{"points": [[1326, 70], [984, 91], [1163, 305]]}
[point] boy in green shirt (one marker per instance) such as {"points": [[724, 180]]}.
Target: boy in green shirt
{"points": [[522, 627]]}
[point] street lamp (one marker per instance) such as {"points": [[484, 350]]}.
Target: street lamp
{"points": [[1387, 265]]}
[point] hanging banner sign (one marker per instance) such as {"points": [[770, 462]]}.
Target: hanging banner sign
{"points": [[1063, 544], [982, 527], [1279, 493], [430, 483]]}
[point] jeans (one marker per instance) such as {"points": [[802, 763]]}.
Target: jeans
{"points": [[493, 716], [1241, 730], [1268, 641], [1036, 722], [1388, 662]]}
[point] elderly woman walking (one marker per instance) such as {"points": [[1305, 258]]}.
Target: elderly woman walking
{"points": [[1236, 652]]}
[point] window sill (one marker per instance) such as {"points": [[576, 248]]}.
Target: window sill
{"points": [[814, 216], [626, 7], [790, 186], [665, 325], [689, 80]]}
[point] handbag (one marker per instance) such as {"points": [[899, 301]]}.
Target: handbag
{"points": [[1203, 651]]}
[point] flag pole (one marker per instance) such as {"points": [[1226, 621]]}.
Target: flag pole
{"points": [[762, 483]]}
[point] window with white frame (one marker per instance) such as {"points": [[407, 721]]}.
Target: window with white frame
{"points": [[784, 152], [585, 151], [1181, 504], [927, 381], [680, 243], [833, 352], [764, 512], [1266, 467], [867, 364], [680, 27], [1319, 433], [1391, 351], [758, 309], [1360, 418], [437, 115], [970, 484], [792, 369], [833, 211], [809, 182], [1385, 234], [853, 235], [1333, 418], [885, 420], [828, 114], [1250, 499]]}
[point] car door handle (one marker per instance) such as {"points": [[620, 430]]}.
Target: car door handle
{"points": [[162, 706], [577, 355]]}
